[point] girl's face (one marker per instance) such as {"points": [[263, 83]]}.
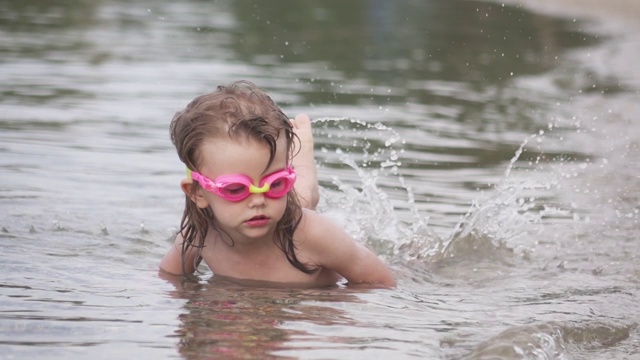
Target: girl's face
{"points": [[256, 216]]}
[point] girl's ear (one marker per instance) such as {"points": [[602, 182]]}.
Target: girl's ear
{"points": [[196, 196]]}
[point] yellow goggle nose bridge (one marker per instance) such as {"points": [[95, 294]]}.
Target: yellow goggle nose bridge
{"points": [[259, 190]]}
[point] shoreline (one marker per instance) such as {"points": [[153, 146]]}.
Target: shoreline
{"points": [[625, 13]]}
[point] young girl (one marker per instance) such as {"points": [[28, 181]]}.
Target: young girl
{"points": [[250, 195]]}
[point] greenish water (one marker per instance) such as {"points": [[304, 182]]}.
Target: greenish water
{"points": [[488, 152]]}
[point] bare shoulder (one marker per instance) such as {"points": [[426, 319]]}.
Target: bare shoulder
{"points": [[325, 243], [314, 227], [171, 263], [317, 236]]}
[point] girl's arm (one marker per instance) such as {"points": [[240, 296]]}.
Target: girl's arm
{"points": [[304, 163], [329, 246], [172, 261]]}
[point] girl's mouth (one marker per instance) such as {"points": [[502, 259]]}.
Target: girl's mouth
{"points": [[256, 221]]}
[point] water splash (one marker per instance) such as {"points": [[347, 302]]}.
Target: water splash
{"points": [[501, 225], [506, 220], [358, 134], [364, 208], [371, 152]]}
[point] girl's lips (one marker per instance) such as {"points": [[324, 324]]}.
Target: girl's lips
{"points": [[257, 221]]}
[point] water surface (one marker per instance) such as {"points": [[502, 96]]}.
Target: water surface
{"points": [[489, 152]]}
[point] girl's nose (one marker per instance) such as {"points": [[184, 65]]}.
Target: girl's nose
{"points": [[256, 199]]}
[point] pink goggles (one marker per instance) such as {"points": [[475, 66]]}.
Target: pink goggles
{"points": [[238, 187]]}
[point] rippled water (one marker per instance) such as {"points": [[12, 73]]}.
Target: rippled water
{"points": [[489, 151]]}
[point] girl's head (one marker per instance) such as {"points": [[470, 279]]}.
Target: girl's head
{"points": [[240, 129], [239, 112]]}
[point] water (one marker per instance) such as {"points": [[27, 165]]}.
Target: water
{"points": [[488, 151]]}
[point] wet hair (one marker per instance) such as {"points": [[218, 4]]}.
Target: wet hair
{"points": [[238, 111]]}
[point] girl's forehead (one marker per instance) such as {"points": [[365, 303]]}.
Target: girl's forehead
{"points": [[221, 156]]}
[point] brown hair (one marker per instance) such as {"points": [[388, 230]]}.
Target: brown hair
{"points": [[235, 111]]}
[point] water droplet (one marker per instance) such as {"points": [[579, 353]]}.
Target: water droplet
{"points": [[143, 230], [57, 226]]}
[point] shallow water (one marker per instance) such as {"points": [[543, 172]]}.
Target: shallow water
{"points": [[488, 152]]}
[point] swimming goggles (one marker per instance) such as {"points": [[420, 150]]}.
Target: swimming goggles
{"points": [[238, 187]]}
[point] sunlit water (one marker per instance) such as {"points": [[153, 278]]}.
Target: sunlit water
{"points": [[489, 153]]}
